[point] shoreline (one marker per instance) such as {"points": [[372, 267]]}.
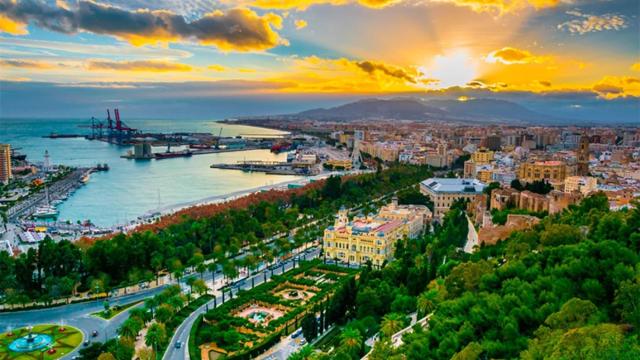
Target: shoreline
{"points": [[220, 199]]}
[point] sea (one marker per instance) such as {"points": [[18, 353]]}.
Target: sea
{"points": [[133, 188]]}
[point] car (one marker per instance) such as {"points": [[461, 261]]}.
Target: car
{"points": [[303, 341], [86, 343], [94, 333], [178, 345]]}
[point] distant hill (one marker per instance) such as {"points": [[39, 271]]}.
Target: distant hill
{"points": [[473, 110], [401, 108]]}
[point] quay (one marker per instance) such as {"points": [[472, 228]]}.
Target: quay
{"points": [[269, 167], [57, 191], [132, 155]]}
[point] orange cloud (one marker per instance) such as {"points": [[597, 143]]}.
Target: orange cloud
{"points": [[238, 29], [138, 66], [26, 64], [636, 66], [304, 4], [501, 6], [612, 87], [300, 24], [12, 27], [216, 67], [509, 55]]}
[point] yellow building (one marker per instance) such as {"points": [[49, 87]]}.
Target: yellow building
{"points": [[485, 174], [551, 171], [373, 238], [482, 156], [5, 163], [341, 164], [582, 184]]}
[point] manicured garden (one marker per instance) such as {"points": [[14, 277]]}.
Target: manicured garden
{"points": [[256, 319], [49, 342]]}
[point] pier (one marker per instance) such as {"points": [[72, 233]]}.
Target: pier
{"points": [[269, 167]]}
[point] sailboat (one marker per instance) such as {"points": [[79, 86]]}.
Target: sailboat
{"points": [[46, 211]]}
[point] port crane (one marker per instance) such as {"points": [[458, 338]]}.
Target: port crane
{"points": [[117, 133]]}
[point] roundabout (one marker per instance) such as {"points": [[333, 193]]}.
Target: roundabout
{"points": [[45, 342]]}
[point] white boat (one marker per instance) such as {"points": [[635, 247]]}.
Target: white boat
{"points": [[45, 211], [85, 178]]}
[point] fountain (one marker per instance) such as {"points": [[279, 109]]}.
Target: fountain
{"points": [[30, 342]]}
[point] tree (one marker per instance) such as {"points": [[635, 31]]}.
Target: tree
{"points": [[628, 302], [303, 354], [382, 350], [130, 328], [200, 287], [351, 341], [106, 356], [310, 327], [156, 336], [146, 354], [426, 303], [164, 313], [391, 324]]}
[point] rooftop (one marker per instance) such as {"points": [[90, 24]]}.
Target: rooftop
{"points": [[454, 185]]}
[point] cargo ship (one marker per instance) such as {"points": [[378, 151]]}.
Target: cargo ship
{"points": [[280, 147], [170, 155]]}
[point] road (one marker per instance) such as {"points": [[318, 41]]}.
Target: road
{"points": [[77, 315], [182, 333]]}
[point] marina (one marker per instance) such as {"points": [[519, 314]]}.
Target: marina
{"points": [[129, 189]]}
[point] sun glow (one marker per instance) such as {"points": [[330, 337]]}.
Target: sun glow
{"points": [[455, 68]]}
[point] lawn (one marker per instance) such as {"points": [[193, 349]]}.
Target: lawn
{"points": [[115, 310], [63, 342]]}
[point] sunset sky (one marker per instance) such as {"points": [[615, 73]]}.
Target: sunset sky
{"points": [[584, 51]]}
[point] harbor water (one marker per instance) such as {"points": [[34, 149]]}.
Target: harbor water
{"points": [[132, 188]]}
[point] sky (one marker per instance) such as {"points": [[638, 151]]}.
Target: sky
{"points": [[222, 58]]}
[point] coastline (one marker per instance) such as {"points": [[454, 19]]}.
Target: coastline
{"points": [[168, 210]]}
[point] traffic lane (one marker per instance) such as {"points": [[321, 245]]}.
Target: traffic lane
{"points": [[68, 312]]}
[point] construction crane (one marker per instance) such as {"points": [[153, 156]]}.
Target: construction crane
{"points": [[217, 146]]}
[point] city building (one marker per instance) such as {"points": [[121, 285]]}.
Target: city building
{"points": [[482, 156], [5, 163], [339, 164], [373, 237], [444, 191], [552, 171], [582, 184], [553, 202]]}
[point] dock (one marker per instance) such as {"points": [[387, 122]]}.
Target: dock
{"points": [[192, 152], [269, 167]]}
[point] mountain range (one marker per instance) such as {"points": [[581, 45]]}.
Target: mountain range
{"points": [[471, 110]]}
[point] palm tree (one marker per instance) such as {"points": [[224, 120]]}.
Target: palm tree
{"points": [[351, 340], [425, 303], [201, 268], [391, 324], [303, 354], [129, 328], [156, 336]]}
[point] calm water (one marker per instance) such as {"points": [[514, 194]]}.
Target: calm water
{"points": [[132, 188]]}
